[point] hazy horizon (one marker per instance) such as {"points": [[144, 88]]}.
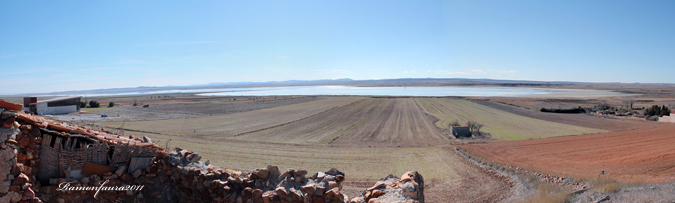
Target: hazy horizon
{"points": [[56, 46]]}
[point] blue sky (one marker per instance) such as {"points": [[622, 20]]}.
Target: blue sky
{"points": [[57, 46]]}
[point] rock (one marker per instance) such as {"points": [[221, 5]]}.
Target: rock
{"points": [[194, 157], [333, 194], [261, 173], [20, 180], [281, 191], [121, 170], [332, 184], [407, 176], [28, 194], [309, 189], [113, 176], [11, 197], [137, 173], [379, 184], [408, 187], [23, 142], [13, 188], [274, 171]]}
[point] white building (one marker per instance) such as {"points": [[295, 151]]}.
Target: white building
{"points": [[63, 105]]}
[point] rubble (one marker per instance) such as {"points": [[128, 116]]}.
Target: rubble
{"points": [[409, 189]]}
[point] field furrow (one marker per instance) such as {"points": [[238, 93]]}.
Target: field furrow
{"points": [[399, 122]]}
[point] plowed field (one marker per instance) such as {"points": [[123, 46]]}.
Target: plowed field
{"points": [[398, 122], [372, 122], [502, 125], [643, 155], [237, 123]]}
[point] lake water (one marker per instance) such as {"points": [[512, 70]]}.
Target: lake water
{"points": [[402, 91]]}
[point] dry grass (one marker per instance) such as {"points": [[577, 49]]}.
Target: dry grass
{"points": [[549, 193], [502, 125]]}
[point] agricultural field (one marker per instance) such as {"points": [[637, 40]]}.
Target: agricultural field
{"points": [[448, 176], [502, 125], [582, 120], [236, 123], [634, 156], [369, 138]]}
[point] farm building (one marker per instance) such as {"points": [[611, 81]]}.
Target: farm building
{"points": [[461, 131], [62, 105]]}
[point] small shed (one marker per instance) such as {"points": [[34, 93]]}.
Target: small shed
{"points": [[461, 131]]}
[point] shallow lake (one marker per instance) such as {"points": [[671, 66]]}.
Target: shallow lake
{"points": [[403, 91]]}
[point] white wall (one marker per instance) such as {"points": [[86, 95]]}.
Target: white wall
{"points": [[56, 109]]}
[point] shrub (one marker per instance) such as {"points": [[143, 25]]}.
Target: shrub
{"points": [[83, 104], [572, 110], [656, 110], [111, 104], [94, 104]]}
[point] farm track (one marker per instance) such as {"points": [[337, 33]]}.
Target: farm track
{"points": [[582, 120], [634, 156], [502, 125]]}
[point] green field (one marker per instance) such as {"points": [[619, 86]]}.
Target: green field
{"points": [[502, 125]]}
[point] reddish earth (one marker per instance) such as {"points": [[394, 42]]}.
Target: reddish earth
{"points": [[643, 155]]}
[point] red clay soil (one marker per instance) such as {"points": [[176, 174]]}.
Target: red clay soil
{"points": [[635, 156]]}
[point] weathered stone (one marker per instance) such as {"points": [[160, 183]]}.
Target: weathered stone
{"points": [[20, 180], [113, 176], [11, 197], [261, 173], [23, 142], [121, 170], [28, 194], [407, 176], [281, 191], [137, 173], [274, 171], [309, 189], [320, 190], [332, 184], [333, 194], [13, 188]]}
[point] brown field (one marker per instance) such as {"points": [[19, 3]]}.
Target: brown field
{"points": [[233, 124], [398, 122], [643, 155]]}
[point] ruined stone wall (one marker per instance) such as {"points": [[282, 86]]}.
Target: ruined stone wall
{"points": [[175, 176]]}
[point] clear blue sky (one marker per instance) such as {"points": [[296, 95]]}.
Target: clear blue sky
{"points": [[58, 46]]}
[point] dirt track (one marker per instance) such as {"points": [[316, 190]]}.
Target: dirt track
{"points": [[644, 155]]}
